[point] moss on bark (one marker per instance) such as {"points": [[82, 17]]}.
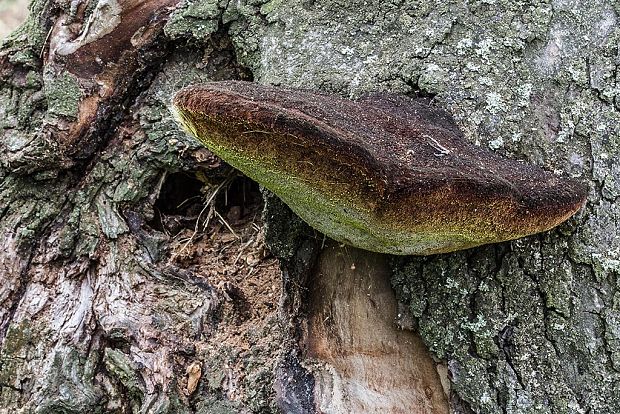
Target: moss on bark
{"points": [[529, 326]]}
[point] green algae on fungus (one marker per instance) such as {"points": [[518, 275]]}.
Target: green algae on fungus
{"points": [[385, 173]]}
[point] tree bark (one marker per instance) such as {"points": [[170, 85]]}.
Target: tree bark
{"points": [[142, 274]]}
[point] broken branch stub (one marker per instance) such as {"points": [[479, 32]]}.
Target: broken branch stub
{"points": [[385, 173]]}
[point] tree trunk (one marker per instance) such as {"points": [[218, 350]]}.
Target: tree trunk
{"points": [[142, 274]]}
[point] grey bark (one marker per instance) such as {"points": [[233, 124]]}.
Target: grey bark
{"points": [[115, 296]]}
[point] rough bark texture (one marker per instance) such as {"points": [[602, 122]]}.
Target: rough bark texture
{"points": [[123, 289]]}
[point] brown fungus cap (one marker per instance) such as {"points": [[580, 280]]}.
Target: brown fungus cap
{"points": [[386, 173]]}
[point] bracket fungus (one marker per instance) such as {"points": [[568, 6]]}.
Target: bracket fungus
{"points": [[385, 173]]}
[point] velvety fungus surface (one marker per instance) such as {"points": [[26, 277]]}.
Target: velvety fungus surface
{"points": [[385, 173]]}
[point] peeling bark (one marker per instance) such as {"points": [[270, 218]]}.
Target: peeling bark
{"points": [[363, 362], [141, 274]]}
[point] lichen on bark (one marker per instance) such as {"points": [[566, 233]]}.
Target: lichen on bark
{"points": [[92, 318], [527, 326], [96, 313]]}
